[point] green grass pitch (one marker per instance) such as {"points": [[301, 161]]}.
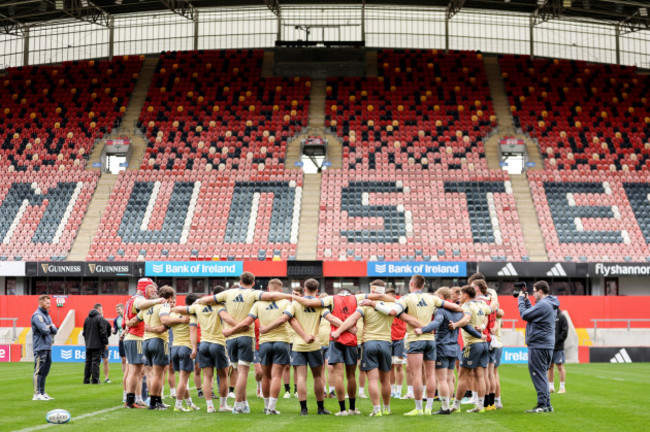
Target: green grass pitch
{"points": [[599, 397]]}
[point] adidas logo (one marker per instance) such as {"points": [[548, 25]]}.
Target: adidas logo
{"points": [[556, 271], [422, 303], [621, 357], [380, 268], [238, 299], [272, 306], [508, 270]]}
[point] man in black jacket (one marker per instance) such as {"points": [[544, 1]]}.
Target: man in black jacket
{"points": [[96, 341], [561, 333]]}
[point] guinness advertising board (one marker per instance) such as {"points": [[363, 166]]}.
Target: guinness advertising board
{"points": [[80, 268]]}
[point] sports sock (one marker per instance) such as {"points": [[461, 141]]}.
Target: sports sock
{"points": [[209, 403], [266, 403], [481, 402], [393, 387], [468, 394], [224, 401], [497, 399], [492, 397], [430, 403], [386, 407], [418, 404], [486, 401], [424, 392], [332, 390], [172, 391], [130, 398], [550, 386], [321, 405], [179, 403], [398, 388], [303, 404], [445, 402], [361, 391], [353, 404], [287, 387], [409, 389], [456, 404], [474, 395], [272, 402], [162, 391], [188, 399], [231, 389], [342, 405], [562, 384], [376, 408]]}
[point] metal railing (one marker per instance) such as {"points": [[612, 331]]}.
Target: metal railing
{"points": [[15, 320], [510, 321], [629, 321]]}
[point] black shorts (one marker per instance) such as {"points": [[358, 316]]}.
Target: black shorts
{"points": [[241, 349], [155, 351], [311, 358], [181, 360], [339, 353], [213, 355], [121, 349], [134, 353], [376, 355], [274, 353]]}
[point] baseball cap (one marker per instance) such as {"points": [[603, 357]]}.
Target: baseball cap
{"points": [[143, 283]]}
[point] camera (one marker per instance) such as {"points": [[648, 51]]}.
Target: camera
{"points": [[519, 288]]}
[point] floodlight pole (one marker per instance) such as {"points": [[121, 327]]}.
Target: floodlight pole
{"points": [[531, 37], [196, 30], [26, 46], [618, 44], [111, 37]]}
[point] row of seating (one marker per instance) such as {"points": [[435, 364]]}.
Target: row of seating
{"points": [[212, 108], [41, 212], [183, 215], [52, 115]]}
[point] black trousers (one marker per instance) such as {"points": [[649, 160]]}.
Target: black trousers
{"points": [[42, 363], [539, 362], [91, 371]]}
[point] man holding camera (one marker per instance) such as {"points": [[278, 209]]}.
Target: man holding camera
{"points": [[540, 338]]}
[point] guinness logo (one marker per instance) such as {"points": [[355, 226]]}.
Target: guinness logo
{"points": [[45, 267], [91, 267]]}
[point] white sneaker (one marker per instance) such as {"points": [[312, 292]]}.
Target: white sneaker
{"points": [[362, 396], [238, 411], [272, 412], [498, 405], [287, 395], [551, 390], [194, 407], [212, 409], [408, 396], [225, 408], [354, 412], [46, 396], [38, 397], [562, 390], [341, 414], [231, 395]]}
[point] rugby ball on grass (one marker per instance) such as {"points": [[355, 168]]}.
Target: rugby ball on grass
{"points": [[58, 416]]}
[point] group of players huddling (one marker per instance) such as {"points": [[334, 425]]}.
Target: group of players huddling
{"points": [[289, 326]]}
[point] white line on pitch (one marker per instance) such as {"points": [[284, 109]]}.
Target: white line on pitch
{"points": [[81, 417]]}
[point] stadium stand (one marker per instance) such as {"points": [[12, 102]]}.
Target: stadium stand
{"points": [[200, 215], [592, 124], [52, 115], [40, 213], [211, 109], [415, 183], [584, 116]]}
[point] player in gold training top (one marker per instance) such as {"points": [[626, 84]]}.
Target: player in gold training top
{"points": [[212, 354], [376, 347], [156, 339], [274, 345], [417, 309], [305, 320], [182, 360], [475, 354], [241, 346]]}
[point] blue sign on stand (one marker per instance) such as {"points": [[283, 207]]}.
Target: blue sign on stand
{"points": [[410, 268], [97, 164], [514, 355], [194, 268], [77, 354], [299, 164]]}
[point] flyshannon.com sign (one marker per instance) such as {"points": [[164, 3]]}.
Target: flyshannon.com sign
{"points": [[410, 268], [193, 268]]}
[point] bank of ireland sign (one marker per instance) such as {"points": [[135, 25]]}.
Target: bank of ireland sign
{"points": [[410, 268]]}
